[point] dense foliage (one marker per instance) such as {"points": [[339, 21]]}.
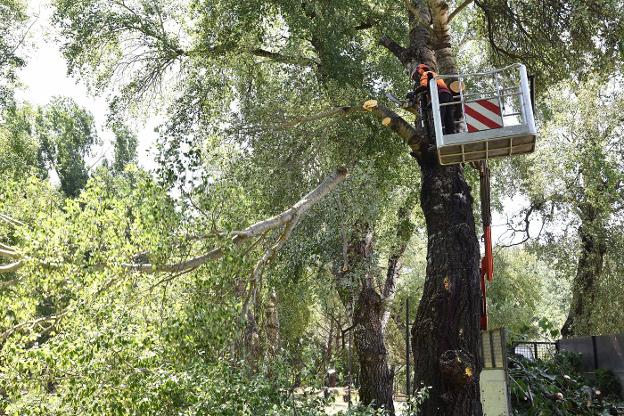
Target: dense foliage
{"points": [[96, 320]]}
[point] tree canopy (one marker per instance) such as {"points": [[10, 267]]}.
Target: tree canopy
{"points": [[278, 240]]}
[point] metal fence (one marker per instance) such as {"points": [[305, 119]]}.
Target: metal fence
{"points": [[532, 350], [605, 351]]}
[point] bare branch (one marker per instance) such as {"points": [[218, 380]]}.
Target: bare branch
{"points": [[535, 206], [20, 42], [458, 10]]}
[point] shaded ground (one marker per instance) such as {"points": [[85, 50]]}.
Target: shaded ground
{"points": [[339, 400]]}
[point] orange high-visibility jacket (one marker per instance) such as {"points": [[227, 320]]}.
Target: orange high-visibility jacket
{"points": [[424, 80]]}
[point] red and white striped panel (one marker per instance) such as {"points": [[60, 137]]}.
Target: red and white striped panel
{"points": [[483, 115]]}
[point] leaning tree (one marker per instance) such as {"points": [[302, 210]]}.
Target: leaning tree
{"points": [[254, 72]]}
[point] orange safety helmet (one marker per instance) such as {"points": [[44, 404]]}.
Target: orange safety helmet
{"points": [[419, 70], [422, 67]]}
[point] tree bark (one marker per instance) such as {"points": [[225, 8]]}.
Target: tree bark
{"points": [[442, 37], [376, 378], [354, 278], [446, 333], [588, 273]]}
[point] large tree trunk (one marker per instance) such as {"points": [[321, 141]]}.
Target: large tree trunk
{"points": [[376, 379], [445, 335], [588, 273], [371, 313], [354, 279]]}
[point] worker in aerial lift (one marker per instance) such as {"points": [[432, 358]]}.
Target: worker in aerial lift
{"points": [[422, 74]]}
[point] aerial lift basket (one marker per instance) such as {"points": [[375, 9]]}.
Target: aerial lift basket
{"points": [[494, 113]]}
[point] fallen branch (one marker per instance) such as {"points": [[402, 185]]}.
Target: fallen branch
{"points": [[298, 209], [303, 205], [286, 217]]}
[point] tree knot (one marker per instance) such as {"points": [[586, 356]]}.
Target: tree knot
{"points": [[457, 368]]}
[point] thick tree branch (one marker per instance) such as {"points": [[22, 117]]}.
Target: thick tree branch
{"points": [[388, 118], [396, 123], [173, 268], [442, 37], [458, 10], [397, 50], [328, 185]]}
